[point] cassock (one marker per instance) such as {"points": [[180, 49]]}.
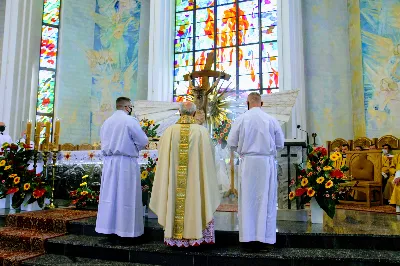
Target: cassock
{"points": [[257, 136], [120, 205], [4, 138], [185, 190]]}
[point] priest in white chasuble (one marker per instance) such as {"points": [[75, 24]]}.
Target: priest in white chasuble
{"points": [[185, 191], [120, 204], [257, 136]]}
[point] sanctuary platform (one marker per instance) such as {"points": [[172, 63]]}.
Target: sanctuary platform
{"points": [[351, 238]]}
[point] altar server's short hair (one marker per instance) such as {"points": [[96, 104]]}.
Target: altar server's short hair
{"points": [[121, 102]]}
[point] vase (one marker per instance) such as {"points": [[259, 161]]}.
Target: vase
{"points": [[33, 206], [317, 214], [6, 202]]}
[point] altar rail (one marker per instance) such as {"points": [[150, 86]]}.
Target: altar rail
{"points": [[365, 142]]}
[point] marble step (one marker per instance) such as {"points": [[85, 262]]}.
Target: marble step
{"points": [[290, 235], [51, 259], [158, 253]]}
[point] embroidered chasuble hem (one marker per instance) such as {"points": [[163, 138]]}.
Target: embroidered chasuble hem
{"points": [[182, 174]]}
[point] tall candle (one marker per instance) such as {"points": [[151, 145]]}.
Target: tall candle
{"points": [[28, 133], [57, 134], [47, 137], [37, 135]]}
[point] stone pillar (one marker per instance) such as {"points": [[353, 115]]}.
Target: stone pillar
{"points": [[20, 63]]}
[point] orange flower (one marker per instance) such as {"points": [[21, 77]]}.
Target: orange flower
{"points": [[291, 195], [17, 180], [310, 192]]}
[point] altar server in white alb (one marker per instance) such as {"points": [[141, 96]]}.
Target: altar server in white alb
{"points": [[120, 205], [257, 136]]}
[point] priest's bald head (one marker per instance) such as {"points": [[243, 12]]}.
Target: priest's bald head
{"points": [[124, 104], [254, 100], [187, 108]]}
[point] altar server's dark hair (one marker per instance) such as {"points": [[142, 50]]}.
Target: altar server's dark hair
{"points": [[121, 102]]}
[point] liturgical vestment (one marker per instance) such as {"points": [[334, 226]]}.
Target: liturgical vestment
{"points": [[120, 205], [257, 136], [185, 192]]}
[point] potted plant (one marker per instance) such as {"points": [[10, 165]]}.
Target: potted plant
{"points": [[319, 182]]}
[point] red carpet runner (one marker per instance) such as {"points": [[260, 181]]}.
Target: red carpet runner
{"points": [[25, 233]]}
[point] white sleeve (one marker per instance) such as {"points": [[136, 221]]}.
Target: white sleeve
{"points": [[233, 137], [279, 136]]}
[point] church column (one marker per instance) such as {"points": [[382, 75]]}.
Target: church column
{"points": [[20, 63], [161, 50], [291, 62]]}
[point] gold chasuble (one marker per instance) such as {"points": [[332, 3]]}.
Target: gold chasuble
{"points": [[185, 192]]}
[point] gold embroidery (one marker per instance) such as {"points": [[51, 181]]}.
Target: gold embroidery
{"points": [[185, 119], [180, 196]]}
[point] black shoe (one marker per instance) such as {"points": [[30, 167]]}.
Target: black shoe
{"points": [[251, 247]]}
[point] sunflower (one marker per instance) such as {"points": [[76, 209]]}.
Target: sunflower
{"points": [[320, 180], [151, 122], [85, 176], [146, 124], [7, 167], [304, 182], [17, 180], [310, 192], [27, 186], [2, 162], [329, 184], [215, 136], [327, 168], [141, 123], [154, 169], [144, 175], [291, 195], [335, 156], [226, 138]]}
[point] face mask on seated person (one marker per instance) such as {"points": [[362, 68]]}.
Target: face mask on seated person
{"points": [[385, 152], [2, 128]]}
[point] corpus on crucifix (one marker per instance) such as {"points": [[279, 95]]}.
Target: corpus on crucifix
{"points": [[201, 92]]}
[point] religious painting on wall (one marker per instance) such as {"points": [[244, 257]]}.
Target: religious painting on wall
{"points": [[380, 44], [98, 64]]}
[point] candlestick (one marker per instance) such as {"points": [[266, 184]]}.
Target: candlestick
{"points": [[53, 177], [57, 134], [37, 135], [28, 133], [47, 137]]}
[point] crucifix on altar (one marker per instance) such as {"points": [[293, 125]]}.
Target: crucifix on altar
{"points": [[201, 92]]}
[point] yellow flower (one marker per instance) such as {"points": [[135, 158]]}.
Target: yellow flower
{"points": [[16, 180], [155, 168], [5, 145], [27, 186], [226, 138], [320, 180], [83, 184], [304, 182], [310, 192], [7, 167], [329, 184], [146, 124], [291, 195], [85, 176], [309, 165], [141, 123], [3, 162], [151, 122], [335, 156], [13, 175], [83, 193], [144, 174], [327, 168]]}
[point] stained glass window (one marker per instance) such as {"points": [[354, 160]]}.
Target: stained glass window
{"points": [[48, 61], [242, 34]]}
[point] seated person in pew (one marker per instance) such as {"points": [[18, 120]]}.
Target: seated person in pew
{"points": [[358, 148], [342, 161], [387, 181]]}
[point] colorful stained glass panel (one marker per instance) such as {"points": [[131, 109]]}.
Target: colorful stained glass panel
{"points": [[201, 58], [249, 82], [223, 2], [226, 60], [45, 96], [183, 45], [270, 80], [48, 49], [248, 8], [269, 18], [204, 3], [269, 5], [181, 88], [51, 12], [204, 42], [270, 64], [181, 71], [184, 59], [44, 119], [270, 49], [182, 5], [269, 33]]}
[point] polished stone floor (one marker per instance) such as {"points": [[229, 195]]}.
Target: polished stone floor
{"points": [[345, 222]]}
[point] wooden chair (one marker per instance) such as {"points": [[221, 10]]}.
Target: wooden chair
{"points": [[365, 171], [85, 147], [331, 145], [363, 142], [388, 139], [68, 147]]}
